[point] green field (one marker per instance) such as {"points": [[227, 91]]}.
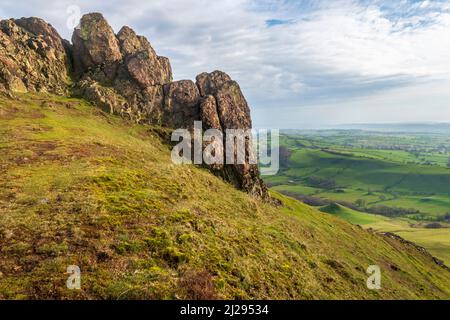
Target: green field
{"points": [[436, 241], [402, 179], [391, 178]]}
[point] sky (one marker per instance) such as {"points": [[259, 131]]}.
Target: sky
{"points": [[300, 63]]}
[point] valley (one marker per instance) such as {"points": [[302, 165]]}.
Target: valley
{"points": [[390, 182]]}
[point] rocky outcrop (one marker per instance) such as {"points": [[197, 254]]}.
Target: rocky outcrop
{"points": [[232, 107], [224, 107], [209, 83], [181, 104], [33, 57], [105, 98], [123, 75], [125, 65], [94, 44], [208, 113]]}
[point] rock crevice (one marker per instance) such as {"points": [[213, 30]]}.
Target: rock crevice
{"points": [[33, 57]]}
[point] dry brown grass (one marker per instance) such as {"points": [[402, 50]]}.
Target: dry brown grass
{"points": [[198, 285]]}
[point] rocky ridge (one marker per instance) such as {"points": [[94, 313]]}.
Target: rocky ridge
{"points": [[122, 74], [33, 57]]}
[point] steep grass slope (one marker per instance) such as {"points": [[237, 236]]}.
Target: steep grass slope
{"points": [[436, 241], [78, 187]]}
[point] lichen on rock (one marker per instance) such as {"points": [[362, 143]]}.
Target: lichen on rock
{"points": [[33, 57], [181, 104], [94, 44], [125, 63]]}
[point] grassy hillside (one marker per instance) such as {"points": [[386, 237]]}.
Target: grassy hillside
{"points": [[400, 147], [436, 241], [360, 172], [78, 187]]}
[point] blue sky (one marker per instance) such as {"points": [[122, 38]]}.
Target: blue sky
{"points": [[301, 64]]}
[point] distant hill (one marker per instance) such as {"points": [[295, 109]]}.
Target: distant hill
{"points": [[443, 128], [350, 215]]}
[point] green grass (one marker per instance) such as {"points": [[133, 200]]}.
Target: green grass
{"points": [[378, 182], [436, 241], [297, 189], [79, 187], [352, 216], [359, 172], [405, 148]]}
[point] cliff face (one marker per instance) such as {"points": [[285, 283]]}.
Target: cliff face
{"points": [[122, 74], [33, 57]]}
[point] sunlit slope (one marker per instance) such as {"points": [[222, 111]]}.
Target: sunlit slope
{"points": [[78, 187], [436, 241]]}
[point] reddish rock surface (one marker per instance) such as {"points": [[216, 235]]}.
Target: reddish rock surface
{"points": [[209, 83], [224, 106], [33, 57], [181, 105], [94, 44]]}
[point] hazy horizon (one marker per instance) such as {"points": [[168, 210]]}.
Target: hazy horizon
{"points": [[365, 125]]}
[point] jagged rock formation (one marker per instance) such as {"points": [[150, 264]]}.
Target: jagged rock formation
{"points": [[95, 44], [122, 74], [181, 104], [33, 57], [224, 107], [122, 71]]}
